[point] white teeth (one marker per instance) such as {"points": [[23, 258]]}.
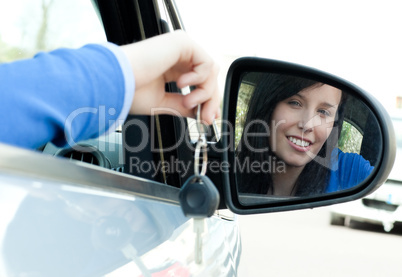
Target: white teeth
{"points": [[299, 142]]}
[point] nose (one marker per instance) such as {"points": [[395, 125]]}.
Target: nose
{"points": [[308, 121]]}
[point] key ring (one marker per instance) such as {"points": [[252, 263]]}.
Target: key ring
{"points": [[200, 147]]}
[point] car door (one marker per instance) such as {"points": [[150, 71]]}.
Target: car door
{"points": [[95, 215]]}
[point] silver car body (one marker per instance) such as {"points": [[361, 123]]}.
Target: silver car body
{"points": [[62, 218]]}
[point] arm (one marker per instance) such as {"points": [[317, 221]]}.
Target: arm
{"points": [[60, 95], [69, 95]]}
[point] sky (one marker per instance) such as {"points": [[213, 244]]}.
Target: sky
{"points": [[357, 40]]}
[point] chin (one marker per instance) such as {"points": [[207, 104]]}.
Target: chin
{"points": [[296, 163]]}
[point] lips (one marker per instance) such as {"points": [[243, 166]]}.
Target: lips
{"points": [[299, 142]]}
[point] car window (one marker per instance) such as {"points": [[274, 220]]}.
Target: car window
{"points": [[350, 140], [30, 26]]}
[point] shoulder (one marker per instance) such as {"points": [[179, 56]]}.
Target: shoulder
{"points": [[347, 170], [349, 161]]}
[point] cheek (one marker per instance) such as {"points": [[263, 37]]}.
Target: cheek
{"points": [[278, 134]]}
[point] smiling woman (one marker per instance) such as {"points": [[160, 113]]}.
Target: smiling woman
{"points": [[302, 123], [290, 134]]}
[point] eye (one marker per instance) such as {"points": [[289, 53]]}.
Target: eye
{"points": [[324, 112], [294, 103]]}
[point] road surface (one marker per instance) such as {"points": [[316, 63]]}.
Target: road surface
{"points": [[303, 243]]}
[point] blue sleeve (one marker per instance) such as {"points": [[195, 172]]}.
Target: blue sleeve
{"points": [[348, 170], [64, 96]]}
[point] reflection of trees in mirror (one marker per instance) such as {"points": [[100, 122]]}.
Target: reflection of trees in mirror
{"points": [[350, 140], [245, 92]]}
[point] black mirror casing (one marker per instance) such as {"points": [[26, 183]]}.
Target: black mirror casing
{"points": [[378, 176]]}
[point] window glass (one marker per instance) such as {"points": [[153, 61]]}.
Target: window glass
{"points": [[30, 26]]}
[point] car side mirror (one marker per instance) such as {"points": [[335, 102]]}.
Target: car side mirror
{"points": [[295, 137]]}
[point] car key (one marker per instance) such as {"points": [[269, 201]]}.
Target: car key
{"points": [[198, 225], [199, 198]]}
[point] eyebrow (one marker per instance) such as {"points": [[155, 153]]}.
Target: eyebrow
{"points": [[326, 104]]}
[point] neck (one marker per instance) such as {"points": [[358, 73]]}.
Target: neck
{"points": [[284, 182]]}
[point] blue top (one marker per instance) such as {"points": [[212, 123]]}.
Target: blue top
{"points": [[350, 170], [64, 96]]}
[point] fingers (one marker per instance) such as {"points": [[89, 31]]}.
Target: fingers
{"points": [[173, 104], [204, 77], [200, 69], [196, 68], [173, 57], [210, 101]]}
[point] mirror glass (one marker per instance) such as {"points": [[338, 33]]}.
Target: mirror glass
{"points": [[296, 137]]}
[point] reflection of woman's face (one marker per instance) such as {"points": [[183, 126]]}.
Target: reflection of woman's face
{"points": [[301, 124]]}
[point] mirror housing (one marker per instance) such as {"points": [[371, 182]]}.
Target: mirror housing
{"points": [[386, 155]]}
